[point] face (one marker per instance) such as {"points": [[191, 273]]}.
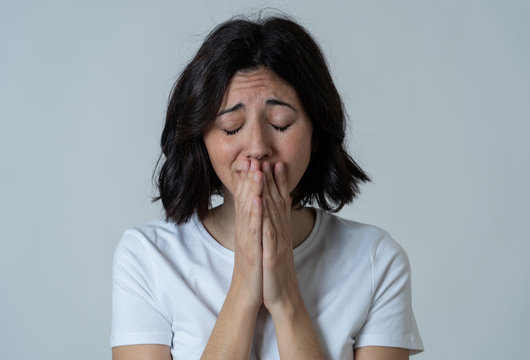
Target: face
{"points": [[262, 118]]}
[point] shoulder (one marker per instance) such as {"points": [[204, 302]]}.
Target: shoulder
{"points": [[156, 234], [367, 238], [144, 248], [142, 238]]}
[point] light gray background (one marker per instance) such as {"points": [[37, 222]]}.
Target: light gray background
{"points": [[438, 95]]}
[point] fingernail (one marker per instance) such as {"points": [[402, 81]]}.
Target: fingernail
{"points": [[253, 165], [281, 169], [256, 177]]}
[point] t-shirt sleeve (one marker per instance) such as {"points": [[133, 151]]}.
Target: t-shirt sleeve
{"points": [[137, 317], [390, 320]]}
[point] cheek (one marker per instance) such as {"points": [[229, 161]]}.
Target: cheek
{"points": [[217, 158], [296, 171], [299, 157], [221, 157]]}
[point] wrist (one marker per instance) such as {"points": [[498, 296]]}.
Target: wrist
{"points": [[287, 310], [295, 332], [240, 298]]}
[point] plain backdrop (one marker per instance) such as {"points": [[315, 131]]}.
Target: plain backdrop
{"points": [[438, 96]]}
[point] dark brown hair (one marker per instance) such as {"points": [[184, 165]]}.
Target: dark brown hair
{"points": [[186, 179]]}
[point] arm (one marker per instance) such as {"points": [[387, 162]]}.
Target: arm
{"points": [[381, 353], [141, 352], [295, 333], [263, 273], [233, 332], [231, 337]]}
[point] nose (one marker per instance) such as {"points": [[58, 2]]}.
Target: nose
{"points": [[258, 144]]}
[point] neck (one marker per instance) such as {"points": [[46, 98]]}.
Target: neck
{"points": [[220, 223]]}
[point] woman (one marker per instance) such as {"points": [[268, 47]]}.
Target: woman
{"points": [[256, 118]]}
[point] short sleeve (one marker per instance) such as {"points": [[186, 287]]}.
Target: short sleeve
{"points": [[390, 320], [136, 315]]}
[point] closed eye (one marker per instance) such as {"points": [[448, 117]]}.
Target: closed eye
{"points": [[280, 128], [232, 132]]}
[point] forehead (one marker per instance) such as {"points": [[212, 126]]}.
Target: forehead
{"points": [[260, 81]]}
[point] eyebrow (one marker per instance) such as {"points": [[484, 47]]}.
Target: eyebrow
{"points": [[281, 103], [233, 108], [269, 102]]}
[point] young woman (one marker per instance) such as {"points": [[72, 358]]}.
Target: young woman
{"points": [[255, 117]]}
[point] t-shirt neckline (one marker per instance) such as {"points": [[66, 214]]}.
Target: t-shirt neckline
{"points": [[207, 238]]}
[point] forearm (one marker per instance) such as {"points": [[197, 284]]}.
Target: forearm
{"points": [[231, 337], [295, 333]]}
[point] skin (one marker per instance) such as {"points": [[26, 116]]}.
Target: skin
{"points": [[162, 352], [260, 146]]}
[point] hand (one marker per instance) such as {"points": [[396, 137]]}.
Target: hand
{"points": [[264, 271], [280, 284], [247, 278]]}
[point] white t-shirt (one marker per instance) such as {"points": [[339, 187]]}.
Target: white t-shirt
{"points": [[170, 282]]}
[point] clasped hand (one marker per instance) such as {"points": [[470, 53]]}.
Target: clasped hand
{"points": [[264, 271]]}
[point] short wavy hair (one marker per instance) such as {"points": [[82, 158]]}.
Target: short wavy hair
{"points": [[184, 175]]}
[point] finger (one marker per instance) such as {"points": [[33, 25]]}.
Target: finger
{"points": [[242, 175], [256, 217], [266, 172], [247, 185], [257, 182], [246, 166], [254, 165], [251, 185], [256, 177], [271, 190], [249, 216], [274, 220], [268, 230], [280, 177]]}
